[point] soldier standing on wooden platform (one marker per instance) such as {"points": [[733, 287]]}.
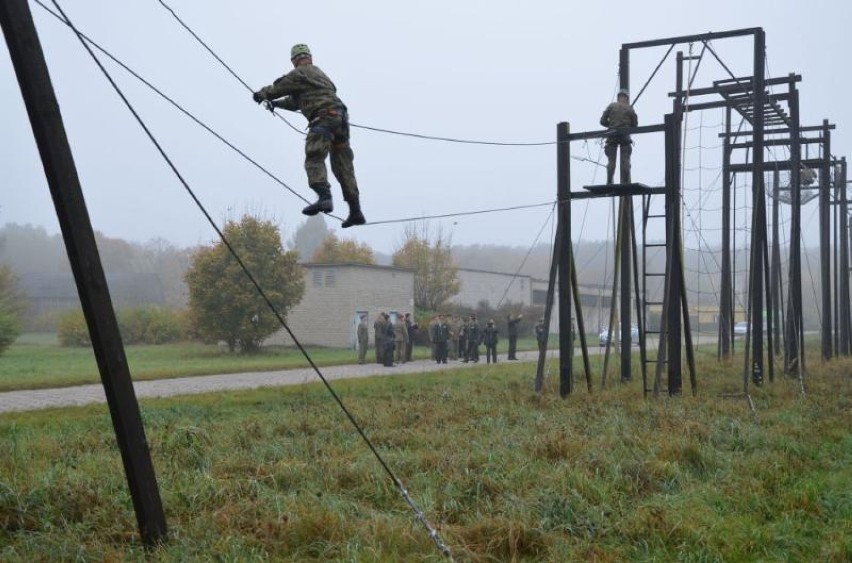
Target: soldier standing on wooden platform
{"points": [[618, 116]]}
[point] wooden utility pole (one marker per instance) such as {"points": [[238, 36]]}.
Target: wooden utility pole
{"points": [[59, 168]]}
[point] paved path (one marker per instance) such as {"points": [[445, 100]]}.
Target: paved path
{"points": [[16, 401]]}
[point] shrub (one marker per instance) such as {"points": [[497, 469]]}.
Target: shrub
{"points": [[71, 329], [164, 326], [9, 330], [140, 325]]}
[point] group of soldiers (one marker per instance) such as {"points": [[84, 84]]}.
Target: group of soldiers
{"points": [[459, 338], [451, 337], [394, 340]]}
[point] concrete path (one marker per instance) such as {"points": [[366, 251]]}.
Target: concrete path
{"points": [[16, 401]]}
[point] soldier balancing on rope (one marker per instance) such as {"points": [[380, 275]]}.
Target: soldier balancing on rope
{"points": [[307, 89]]}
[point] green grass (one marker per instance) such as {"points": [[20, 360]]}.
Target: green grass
{"points": [[504, 474]]}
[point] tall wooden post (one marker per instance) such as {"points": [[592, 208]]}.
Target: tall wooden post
{"points": [[843, 263], [757, 265], [627, 234], [793, 333], [38, 94], [563, 195], [726, 301], [825, 243]]}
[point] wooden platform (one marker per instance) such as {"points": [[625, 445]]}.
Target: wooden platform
{"points": [[617, 190]]}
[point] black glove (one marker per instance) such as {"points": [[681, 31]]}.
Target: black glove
{"points": [[257, 97]]}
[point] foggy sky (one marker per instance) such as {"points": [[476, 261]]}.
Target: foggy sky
{"points": [[490, 70]]}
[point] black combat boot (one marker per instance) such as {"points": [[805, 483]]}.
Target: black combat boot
{"points": [[323, 204], [355, 215]]}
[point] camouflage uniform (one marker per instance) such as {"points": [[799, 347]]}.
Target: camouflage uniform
{"points": [[400, 339], [379, 327], [455, 326], [474, 339], [463, 341], [618, 115], [307, 89]]}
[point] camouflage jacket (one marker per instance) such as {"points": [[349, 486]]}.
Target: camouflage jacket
{"points": [[400, 332], [307, 89], [617, 115]]}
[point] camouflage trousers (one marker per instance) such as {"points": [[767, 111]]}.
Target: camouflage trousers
{"points": [[329, 133], [624, 146]]}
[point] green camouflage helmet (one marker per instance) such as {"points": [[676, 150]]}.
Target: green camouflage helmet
{"points": [[299, 50]]}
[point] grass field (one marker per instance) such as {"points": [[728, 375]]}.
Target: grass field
{"points": [[504, 474], [37, 361]]}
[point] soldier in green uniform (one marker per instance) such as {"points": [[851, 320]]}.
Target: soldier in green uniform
{"points": [[618, 116], [379, 327], [489, 338], [474, 339], [512, 331], [388, 342], [463, 352], [400, 338], [455, 324], [363, 339], [440, 336], [307, 89], [541, 335]]}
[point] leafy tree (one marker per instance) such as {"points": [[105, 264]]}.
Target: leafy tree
{"points": [[11, 307], [336, 251], [435, 273], [224, 304], [309, 236]]}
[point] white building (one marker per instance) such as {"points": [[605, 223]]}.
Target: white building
{"points": [[337, 295]]}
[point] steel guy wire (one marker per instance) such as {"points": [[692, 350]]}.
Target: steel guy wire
{"points": [[404, 492]]}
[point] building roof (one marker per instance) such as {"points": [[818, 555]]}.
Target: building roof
{"points": [[310, 265], [509, 274]]}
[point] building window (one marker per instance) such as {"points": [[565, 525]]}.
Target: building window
{"points": [[330, 280], [317, 278]]}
